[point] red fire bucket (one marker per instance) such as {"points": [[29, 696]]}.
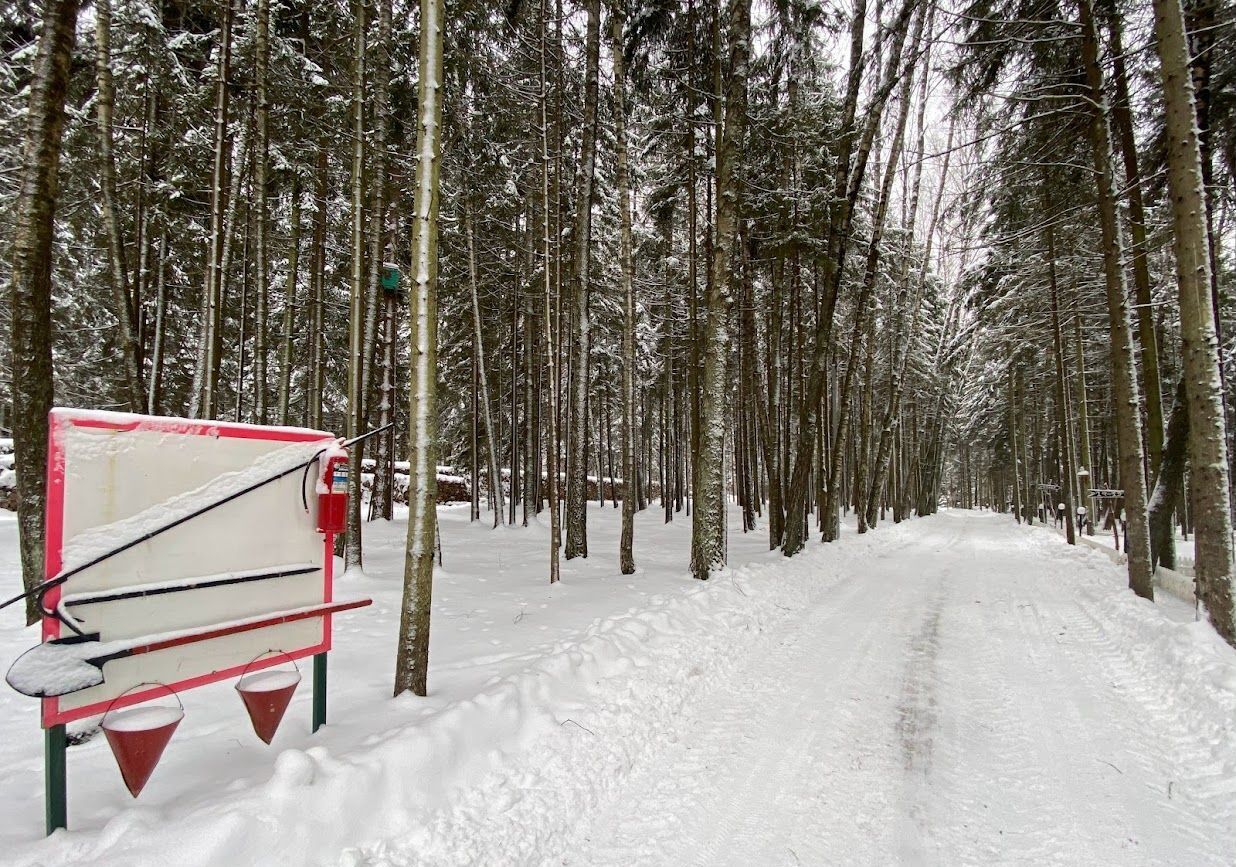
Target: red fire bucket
{"points": [[138, 737], [266, 695]]}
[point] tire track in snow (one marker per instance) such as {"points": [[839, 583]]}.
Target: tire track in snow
{"points": [[917, 728], [1082, 770], [802, 757], [1184, 732]]}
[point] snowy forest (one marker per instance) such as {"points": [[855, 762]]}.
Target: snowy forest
{"points": [[808, 427], [795, 259]]}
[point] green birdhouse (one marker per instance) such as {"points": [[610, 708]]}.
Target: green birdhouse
{"points": [[390, 278]]}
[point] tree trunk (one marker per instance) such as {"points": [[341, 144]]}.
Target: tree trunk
{"points": [[551, 342], [1122, 118], [412, 663], [202, 403], [1169, 482], [1125, 398], [260, 182], [708, 520], [478, 346], [577, 445], [154, 392], [901, 353], [124, 310], [30, 290], [832, 502], [1085, 468], [1208, 467], [626, 541], [317, 357], [289, 309], [353, 555]]}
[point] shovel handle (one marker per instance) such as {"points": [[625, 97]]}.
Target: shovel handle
{"points": [[232, 629]]}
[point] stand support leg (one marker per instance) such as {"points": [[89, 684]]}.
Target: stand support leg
{"points": [[55, 742], [319, 691]]}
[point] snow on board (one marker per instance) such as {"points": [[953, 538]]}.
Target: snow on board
{"points": [[115, 477]]}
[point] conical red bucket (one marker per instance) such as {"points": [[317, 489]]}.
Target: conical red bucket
{"points": [[138, 737], [266, 695]]}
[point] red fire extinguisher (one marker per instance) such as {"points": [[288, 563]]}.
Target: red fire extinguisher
{"points": [[333, 494]]}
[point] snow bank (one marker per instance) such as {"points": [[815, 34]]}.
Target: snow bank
{"points": [[521, 758], [1183, 670]]}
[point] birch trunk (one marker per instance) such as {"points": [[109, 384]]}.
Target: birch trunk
{"points": [[901, 353], [374, 297]]}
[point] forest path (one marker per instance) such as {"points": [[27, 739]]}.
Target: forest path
{"points": [[957, 700]]}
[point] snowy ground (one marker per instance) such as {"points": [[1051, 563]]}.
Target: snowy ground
{"points": [[956, 690], [1184, 548]]}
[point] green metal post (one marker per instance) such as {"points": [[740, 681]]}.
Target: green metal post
{"points": [[55, 742], [319, 691]]}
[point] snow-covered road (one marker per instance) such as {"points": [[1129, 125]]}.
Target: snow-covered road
{"points": [[959, 700]]}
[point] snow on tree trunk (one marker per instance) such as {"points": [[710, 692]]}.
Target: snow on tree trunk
{"points": [[551, 342], [376, 305], [122, 303], [1122, 118], [478, 346], [352, 550], [412, 662], [901, 347], [708, 519], [289, 308], [1126, 400], [1208, 466], [261, 159], [626, 543], [581, 343], [1169, 481], [30, 289], [201, 404]]}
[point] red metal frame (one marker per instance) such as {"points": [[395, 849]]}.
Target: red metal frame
{"points": [[54, 542]]}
